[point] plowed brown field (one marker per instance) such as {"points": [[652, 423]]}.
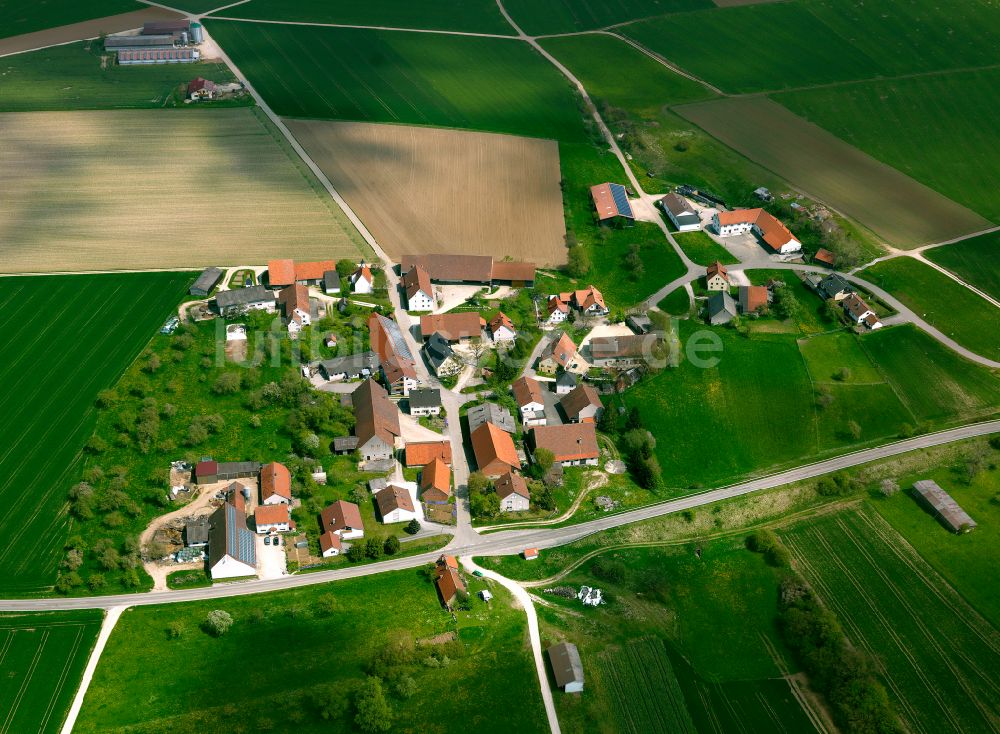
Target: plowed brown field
{"points": [[431, 190], [143, 189], [896, 207], [83, 30]]}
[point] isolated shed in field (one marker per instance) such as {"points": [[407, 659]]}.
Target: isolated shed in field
{"points": [[944, 507], [566, 666]]}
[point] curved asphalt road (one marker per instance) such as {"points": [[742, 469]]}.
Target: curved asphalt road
{"points": [[511, 542]]}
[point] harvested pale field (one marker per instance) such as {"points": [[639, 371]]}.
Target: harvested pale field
{"points": [[82, 30], [894, 206], [430, 190], [140, 189]]}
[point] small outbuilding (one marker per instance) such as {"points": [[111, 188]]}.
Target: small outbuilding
{"points": [[208, 279], [943, 506], [567, 668]]}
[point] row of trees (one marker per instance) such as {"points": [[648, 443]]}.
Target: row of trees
{"points": [[843, 674]]}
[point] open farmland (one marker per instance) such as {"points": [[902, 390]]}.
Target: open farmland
{"points": [[537, 17], [41, 17], [326, 647], [74, 337], [941, 302], [939, 129], [481, 16], [932, 381], [822, 41], [158, 189], [43, 657], [684, 643], [666, 149], [976, 261], [689, 408], [26, 16], [72, 77], [643, 688], [939, 659], [415, 78], [904, 212], [454, 191]]}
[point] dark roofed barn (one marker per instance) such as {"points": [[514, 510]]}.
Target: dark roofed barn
{"points": [[567, 668], [944, 507], [208, 279]]}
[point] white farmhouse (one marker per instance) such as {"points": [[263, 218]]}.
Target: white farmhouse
{"points": [[395, 504]]}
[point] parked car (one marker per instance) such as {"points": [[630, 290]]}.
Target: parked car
{"points": [[267, 540], [478, 573], [277, 540]]}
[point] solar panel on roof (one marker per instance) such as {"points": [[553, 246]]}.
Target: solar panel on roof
{"points": [[621, 200]]}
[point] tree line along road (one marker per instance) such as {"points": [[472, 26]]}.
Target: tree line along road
{"points": [[511, 542]]}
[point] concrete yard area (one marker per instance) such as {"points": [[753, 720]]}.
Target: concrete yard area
{"points": [[271, 559]]}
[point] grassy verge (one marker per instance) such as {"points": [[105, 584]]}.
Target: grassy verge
{"points": [[974, 261]]}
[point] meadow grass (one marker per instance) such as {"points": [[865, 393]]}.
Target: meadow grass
{"points": [[75, 335], [692, 410], [936, 656], [966, 560], [817, 42], [935, 383], [827, 355], [676, 303], [537, 17], [321, 643], [692, 629], [44, 655], [941, 302], [26, 16], [481, 16], [976, 261], [937, 129], [415, 78], [70, 77], [703, 250]]}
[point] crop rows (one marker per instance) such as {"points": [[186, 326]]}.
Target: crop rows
{"points": [[74, 336], [643, 689], [42, 657], [938, 658]]}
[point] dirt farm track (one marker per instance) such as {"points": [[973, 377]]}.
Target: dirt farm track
{"points": [[158, 189], [422, 189]]}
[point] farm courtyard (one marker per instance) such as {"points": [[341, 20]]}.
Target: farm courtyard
{"points": [[136, 189]]}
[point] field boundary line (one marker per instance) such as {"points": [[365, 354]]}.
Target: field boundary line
{"points": [[110, 620], [358, 27]]}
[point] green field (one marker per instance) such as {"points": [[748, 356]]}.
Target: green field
{"points": [[71, 78], [414, 78], [683, 644], [666, 149], [703, 250], [43, 658], [321, 642], [538, 17], [966, 560], [937, 129], [827, 355], [74, 336], [976, 261], [690, 409], [937, 657], [932, 381], [819, 41], [481, 16], [941, 302], [643, 689], [25, 16], [676, 303]]}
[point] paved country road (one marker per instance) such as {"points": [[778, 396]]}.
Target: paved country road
{"points": [[511, 542]]}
